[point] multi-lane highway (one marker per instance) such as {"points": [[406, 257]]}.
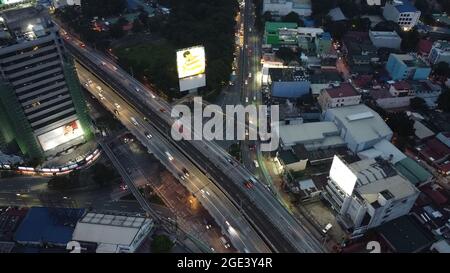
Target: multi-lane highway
{"points": [[247, 214]]}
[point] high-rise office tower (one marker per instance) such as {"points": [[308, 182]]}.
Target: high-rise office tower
{"points": [[42, 108]]}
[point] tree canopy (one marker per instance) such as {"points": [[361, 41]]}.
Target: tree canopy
{"points": [[444, 100]]}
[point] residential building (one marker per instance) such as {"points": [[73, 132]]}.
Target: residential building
{"points": [[386, 39], [113, 232], [284, 7], [359, 126], [440, 52], [359, 52], [386, 100], [428, 91], [368, 193], [41, 104], [324, 45], [341, 95], [401, 12], [336, 14], [288, 82], [401, 89], [406, 66], [278, 34], [413, 171], [436, 151]]}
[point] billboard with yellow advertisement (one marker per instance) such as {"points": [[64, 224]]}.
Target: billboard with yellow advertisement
{"points": [[191, 61]]}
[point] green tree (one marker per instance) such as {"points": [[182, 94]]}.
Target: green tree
{"points": [[293, 17], [418, 104], [138, 26], [286, 54], [410, 39], [102, 174], [442, 69], [444, 100], [161, 244], [422, 5], [116, 31]]}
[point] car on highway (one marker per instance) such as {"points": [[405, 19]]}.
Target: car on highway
{"points": [[117, 105], [103, 63], [248, 184], [128, 171], [134, 121], [186, 172], [249, 75], [254, 98], [148, 135], [169, 156], [116, 112], [256, 163], [162, 110], [137, 89], [124, 187], [114, 68], [327, 228], [181, 176], [82, 45], [99, 88], [153, 96], [101, 96], [224, 242], [246, 82], [246, 99]]}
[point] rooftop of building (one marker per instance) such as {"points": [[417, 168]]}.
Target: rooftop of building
{"points": [[24, 24], [109, 228], [336, 14], [410, 60], [424, 46], [422, 131], [404, 6], [434, 150], [382, 93], [325, 77], [48, 225], [287, 74], [384, 34], [343, 90], [442, 45], [402, 85], [415, 173], [275, 26], [308, 132], [363, 123], [405, 235], [378, 176]]}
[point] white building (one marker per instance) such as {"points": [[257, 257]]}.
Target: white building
{"points": [[440, 52], [388, 39], [284, 7], [368, 193], [401, 12], [341, 95], [63, 3], [314, 135], [113, 233], [359, 126]]}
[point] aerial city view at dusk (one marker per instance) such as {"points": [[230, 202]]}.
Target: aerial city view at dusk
{"points": [[218, 128]]}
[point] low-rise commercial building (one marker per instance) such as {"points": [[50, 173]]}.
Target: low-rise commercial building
{"points": [[284, 7], [406, 66], [388, 39], [113, 233], [359, 126], [288, 82], [368, 193], [440, 52], [313, 135]]}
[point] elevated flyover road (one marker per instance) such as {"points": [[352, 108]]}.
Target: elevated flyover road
{"points": [[277, 231], [233, 224]]}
